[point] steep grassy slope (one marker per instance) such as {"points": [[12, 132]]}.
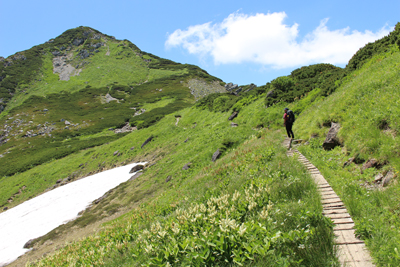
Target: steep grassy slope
{"points": [[252, 158], [367, 107]]}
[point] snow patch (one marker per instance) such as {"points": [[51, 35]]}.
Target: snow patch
{"points": [[40, 215]]}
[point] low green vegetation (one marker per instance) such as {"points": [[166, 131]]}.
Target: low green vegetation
{"points": [[254, 206], [367, 108], [114, 81]]}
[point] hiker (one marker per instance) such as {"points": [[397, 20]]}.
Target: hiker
{"points": [[288, 119]]}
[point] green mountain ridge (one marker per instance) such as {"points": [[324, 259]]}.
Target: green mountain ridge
{"points": [[92, 82], [280, 224]]}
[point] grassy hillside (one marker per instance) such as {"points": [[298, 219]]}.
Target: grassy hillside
{"points": [[253, 165], [254, 206], [67, 94]]}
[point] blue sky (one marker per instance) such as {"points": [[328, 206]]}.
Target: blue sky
{"points": [[238, 41]]}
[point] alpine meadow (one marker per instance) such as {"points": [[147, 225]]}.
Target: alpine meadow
{"points": [[218, 188]]}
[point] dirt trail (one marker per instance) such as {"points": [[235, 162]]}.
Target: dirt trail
{"points": [[352, 251]]}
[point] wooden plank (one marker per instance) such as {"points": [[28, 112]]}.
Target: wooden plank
{"points": [[335, 211], [332, 201], [338, 215], [343, 226], [342, 220], [347, 237], [359, 253], [336, 205], [329, 195]]}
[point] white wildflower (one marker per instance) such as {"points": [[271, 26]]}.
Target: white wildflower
{"points": [[242, 229], [264, 213]]}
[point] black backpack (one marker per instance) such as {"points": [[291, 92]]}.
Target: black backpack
{"points": [[291, 117]]}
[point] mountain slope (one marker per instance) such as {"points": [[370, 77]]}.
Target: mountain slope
{"points": [[63, 96], [285, 231]]}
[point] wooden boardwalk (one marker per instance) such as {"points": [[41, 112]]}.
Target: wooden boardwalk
{"points": [[352, 251]]}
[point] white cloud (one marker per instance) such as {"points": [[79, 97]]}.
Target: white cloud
{"points": [[266, 40]]}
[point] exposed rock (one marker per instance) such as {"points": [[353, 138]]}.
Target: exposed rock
{"points": [[29, 243], [116, 153], [200, 88], [187, 139], [97, 45], [331, 140], [234, 124], [139, 112], [230, 87], [125, 129], [136, 175], [78, 42], [234, 115], [147, 141], [371, 163], [56, 53], [132, 148], [64, 70], [238, 90], [251, 87], [58, 181], [83, 54], [271, 94], [187, 166], [107, 99], [216, 155], [388, 177], [67, 123], [378, 178], [136, 168], [169, 177], [348, 162]]}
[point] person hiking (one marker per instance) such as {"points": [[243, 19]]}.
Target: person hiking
{"points": [[288, 119]]}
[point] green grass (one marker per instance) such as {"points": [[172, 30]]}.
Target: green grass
{"points": [[293, 227], [367, 107]]}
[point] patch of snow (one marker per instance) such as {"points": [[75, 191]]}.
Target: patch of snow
{"points": [[40, 215]]}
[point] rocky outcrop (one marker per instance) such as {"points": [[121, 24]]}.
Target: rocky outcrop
{"points": [[64, 69], [371, 163], [127, 128], [235, 89], [388, 177], [251, 87], [107, 99], [200, 88], [234, 115], [136, 168], [331, 140], [186, 166], [231, 87], [147, 141], [384, 180], [216, 155], [78, 41]]}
